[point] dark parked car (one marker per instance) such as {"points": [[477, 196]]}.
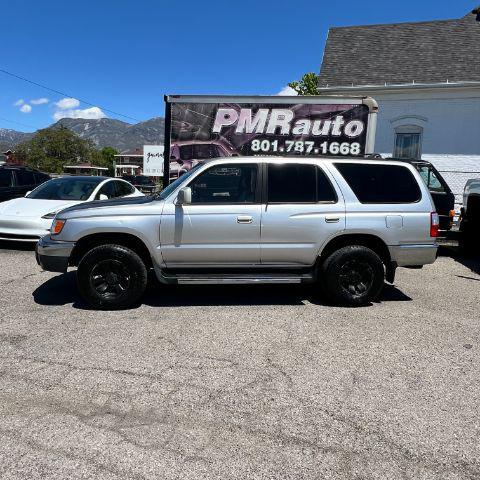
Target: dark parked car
{"points": [[143, 183], [16, 181], [442, 195]]}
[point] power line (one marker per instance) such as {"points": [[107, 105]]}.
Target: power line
{"points": [[66, 94], [19, 123]]}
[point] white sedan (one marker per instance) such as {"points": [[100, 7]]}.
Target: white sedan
{"points": [[29, 218]]}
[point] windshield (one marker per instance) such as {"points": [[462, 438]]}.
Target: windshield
{"points": [[199, 151], [65, 189], [168, 190]]}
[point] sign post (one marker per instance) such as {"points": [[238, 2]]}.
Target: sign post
{"points": [[153, 161]]}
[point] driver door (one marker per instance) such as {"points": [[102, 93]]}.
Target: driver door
{"points": [[221, 227]]}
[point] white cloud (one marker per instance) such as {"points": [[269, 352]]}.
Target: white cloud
{"points": [[285, 91], [67, 103], [19, 102], [88, 113], [39, 101], [26, 108]]}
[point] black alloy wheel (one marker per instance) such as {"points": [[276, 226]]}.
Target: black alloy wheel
{"points": [[356, 277], [352, 276], [111, 277]]}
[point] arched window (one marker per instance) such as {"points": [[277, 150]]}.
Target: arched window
{"points": [[408, 141]]}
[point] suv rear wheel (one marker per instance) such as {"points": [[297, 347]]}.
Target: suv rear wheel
{"points": [[111, 277], [353, 276]]}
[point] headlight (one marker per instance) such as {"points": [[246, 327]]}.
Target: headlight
{"points": [[57, 226], [50, 215]]}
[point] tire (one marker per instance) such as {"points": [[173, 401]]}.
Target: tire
{"points": [[468, 235], [111, 277], [353, 276]]}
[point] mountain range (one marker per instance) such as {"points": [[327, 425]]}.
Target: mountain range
{"points": [[104, 132]]}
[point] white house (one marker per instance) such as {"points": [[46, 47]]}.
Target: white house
{"points": [[426, 79]]}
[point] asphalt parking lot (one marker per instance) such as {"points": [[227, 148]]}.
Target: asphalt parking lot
{"points": [[244, 382]]}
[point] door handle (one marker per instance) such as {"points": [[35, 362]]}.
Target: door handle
{"points": [[244, 219], [332, 219]]}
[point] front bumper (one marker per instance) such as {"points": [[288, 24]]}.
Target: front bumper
{"points": [[23, 229], [413, 255], [53, 255]]}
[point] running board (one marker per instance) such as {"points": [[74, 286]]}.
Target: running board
{"points": [[236, 279]]}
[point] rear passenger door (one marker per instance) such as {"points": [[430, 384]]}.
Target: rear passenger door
{"points": [[7, 188], [302, 209]]}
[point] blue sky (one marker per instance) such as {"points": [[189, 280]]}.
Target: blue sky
{"points": [[124, 55]]}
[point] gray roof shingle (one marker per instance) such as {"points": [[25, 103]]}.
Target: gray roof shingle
{"points": [[426, 52]]}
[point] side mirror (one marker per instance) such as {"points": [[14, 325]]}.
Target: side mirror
{"points": [[184, 196], [28, 193], [103, 197]]}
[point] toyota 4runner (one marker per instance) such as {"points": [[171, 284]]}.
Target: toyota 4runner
{"points": [[344, 223]]}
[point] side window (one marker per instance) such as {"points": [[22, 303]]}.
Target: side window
{"points": [[381, 183], [6, 178], [123, 189], [24, 177], [226, 184], [108, 189], [431, 180], [296, 183], [40, 178]]}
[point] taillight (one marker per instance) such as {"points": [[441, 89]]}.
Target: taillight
{"points": [[434, 224], [451, 215]]}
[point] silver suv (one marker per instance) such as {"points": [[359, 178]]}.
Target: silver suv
{"points": [[346, 224]]}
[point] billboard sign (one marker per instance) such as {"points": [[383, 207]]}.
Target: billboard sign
{"points": [[200, 127], [153, 161]]}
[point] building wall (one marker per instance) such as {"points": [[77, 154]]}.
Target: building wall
{"points": [[449, 116], [450, 122]]}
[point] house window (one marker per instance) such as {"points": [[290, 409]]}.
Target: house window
{"points": [[408, 142]]}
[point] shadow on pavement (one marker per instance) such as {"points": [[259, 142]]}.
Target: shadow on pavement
{"points": [[20, 246], [62, 290], [472, 262], [59, 290]]}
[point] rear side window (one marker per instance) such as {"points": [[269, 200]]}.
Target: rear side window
{"points": [[24, 177], [381, 183], [430, 178], [5, 178], [41, 177], [296, 183], [123, 189]]}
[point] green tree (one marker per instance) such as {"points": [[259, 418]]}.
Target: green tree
{"points": [[308, 85], [106, 158], [52, 148]]}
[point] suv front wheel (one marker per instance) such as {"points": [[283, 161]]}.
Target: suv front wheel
{"points": [[111, 277], [353, 276]]}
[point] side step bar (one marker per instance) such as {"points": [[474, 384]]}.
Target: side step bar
{"points": [[235, 279]]}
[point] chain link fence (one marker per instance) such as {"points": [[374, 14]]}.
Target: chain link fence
{"points": [[456, 181]]}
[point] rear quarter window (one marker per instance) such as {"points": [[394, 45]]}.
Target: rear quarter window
{"points": [[381, 183]]}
